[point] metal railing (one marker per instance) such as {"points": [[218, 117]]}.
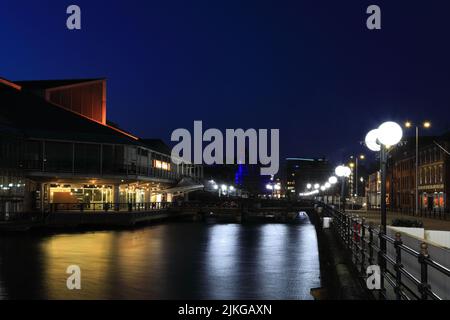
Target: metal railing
{"points": [[108, 207], [399, 280], [434, 213]]}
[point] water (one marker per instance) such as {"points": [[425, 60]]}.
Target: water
{"points": [[165, 261]]}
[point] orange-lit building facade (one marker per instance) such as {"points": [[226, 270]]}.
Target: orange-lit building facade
{"points": [[433, 175]]}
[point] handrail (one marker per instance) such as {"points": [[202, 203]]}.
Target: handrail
{"points": [[362, 239]]}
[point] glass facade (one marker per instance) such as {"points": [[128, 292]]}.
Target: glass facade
{"points": [[103, 159]]}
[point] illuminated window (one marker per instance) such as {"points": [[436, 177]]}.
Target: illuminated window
{"points": [[436, 200], [161, 165]]}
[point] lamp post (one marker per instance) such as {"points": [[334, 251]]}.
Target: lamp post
{"points": [[343, 172], [332, 180], [360, 157], [425, 125], [388, 134]]}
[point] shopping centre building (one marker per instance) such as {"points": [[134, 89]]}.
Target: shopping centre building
{"points": [[57, 147]]}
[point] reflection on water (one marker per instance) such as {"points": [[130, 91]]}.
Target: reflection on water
{"points": [[167, 261]]}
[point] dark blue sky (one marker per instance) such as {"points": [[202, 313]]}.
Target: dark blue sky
{"points": [[309, 68]]}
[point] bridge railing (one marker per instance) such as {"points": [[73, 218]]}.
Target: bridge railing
{"points": [[406, 273]]}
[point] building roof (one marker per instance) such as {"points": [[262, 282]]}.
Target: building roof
{"points": [[36, 118], [47, 84], [157, 145], [306, 159]]}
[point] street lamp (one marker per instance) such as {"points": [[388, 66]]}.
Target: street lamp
{"points": [[309, 186], [332, 180], [316, 186], [355, 165], [388, 134], [342, 172], [426, 125]]}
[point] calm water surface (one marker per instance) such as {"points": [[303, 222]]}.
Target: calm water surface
{"points": [[166, 261]]}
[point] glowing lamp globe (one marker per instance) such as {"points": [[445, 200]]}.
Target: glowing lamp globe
{"points": [[343, 171], [316, 186], [322, 188], [332, 180], [347, 171], [338, 171], [371, 140], [390, 133], [327, 185], [308, 186]]}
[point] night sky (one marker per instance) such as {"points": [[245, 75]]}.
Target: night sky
{"points": [[310, 68]]}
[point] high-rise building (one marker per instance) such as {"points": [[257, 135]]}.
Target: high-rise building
{"points": [[303, 171]]}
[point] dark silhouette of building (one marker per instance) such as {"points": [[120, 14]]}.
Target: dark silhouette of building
{"points": [[303, 171]]}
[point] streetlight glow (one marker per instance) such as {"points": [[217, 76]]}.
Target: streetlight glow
{"points": [[372, 140], [332, 180], [316, 186], [390, 133], [427, 124], [343, 171], [309, 186]]}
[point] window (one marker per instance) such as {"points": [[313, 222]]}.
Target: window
{"points": [[161, 165], [58, 156], [425, 179], [87, 158]]}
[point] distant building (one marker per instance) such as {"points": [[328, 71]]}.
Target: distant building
{"points": [[433, 176], [301, 171], [56, 146], [373, 190]]}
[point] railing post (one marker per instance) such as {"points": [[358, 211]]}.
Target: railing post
{"points": [[363, 245], [349, 231], [381, 261], [355, 239], [370, 244], [424, 287], [398, 265]]}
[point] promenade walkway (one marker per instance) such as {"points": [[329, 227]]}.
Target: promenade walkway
{"points": [[428, 223]]}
